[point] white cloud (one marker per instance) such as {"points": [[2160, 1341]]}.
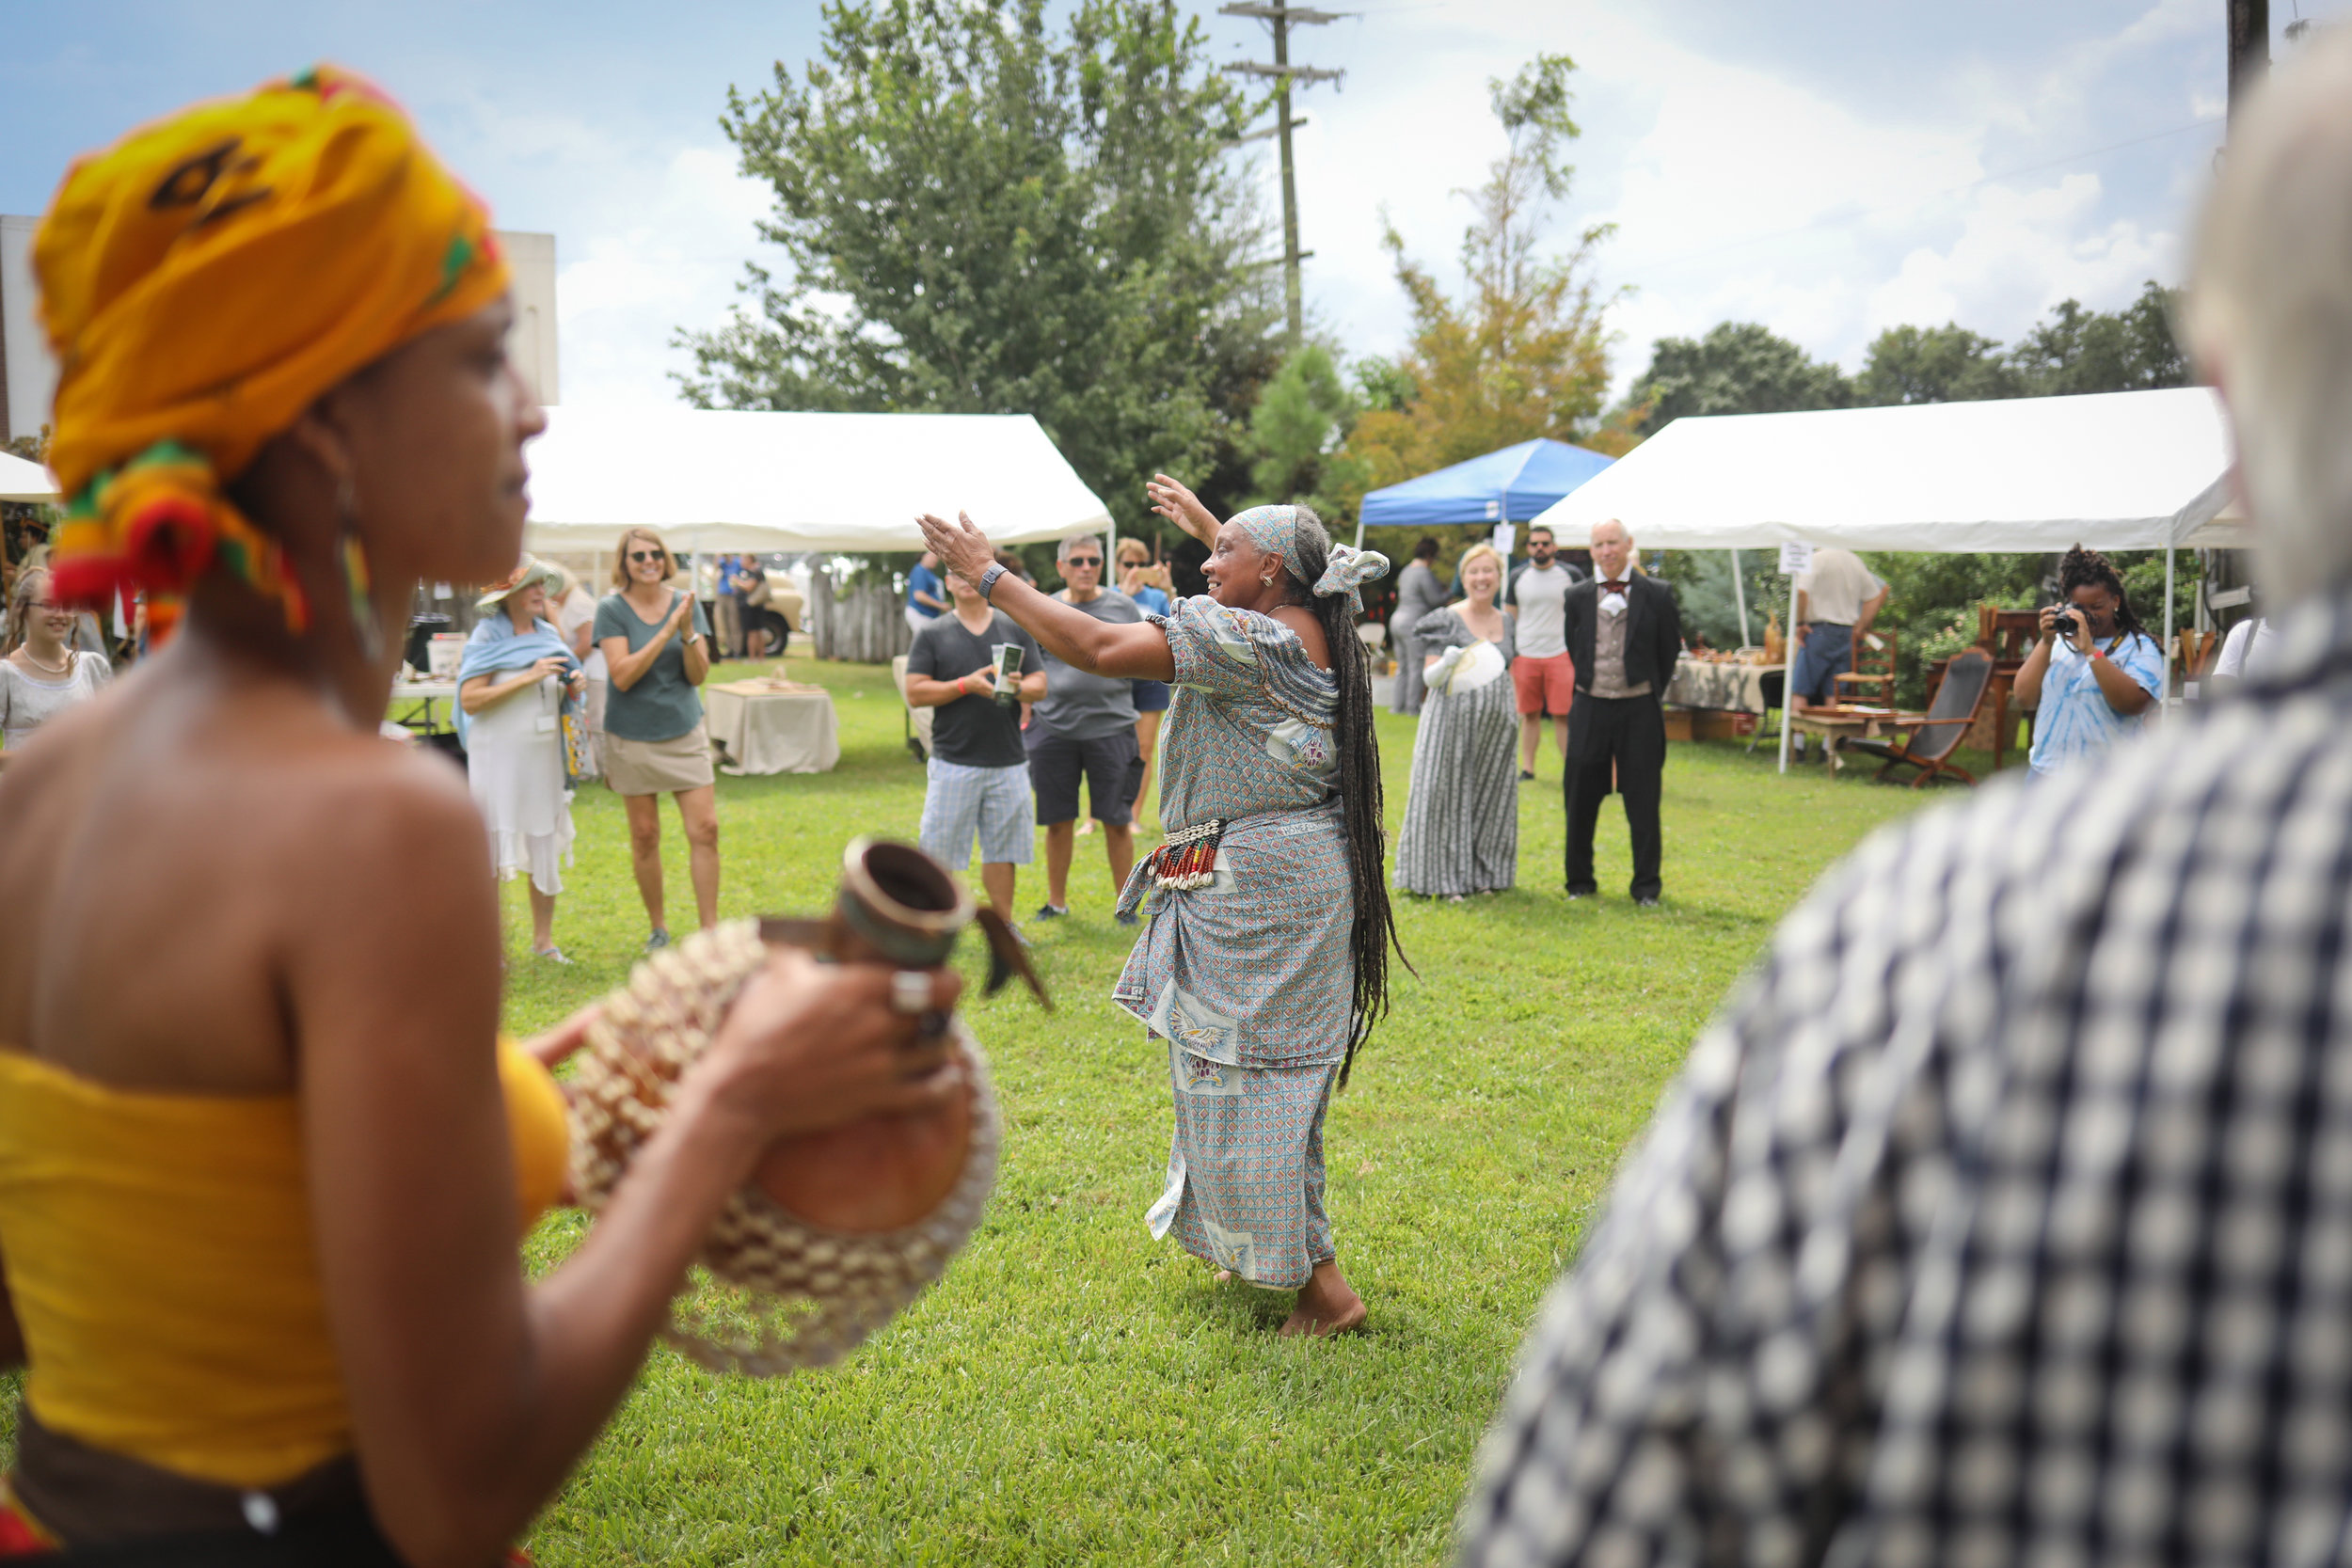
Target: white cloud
{"points": [[666, 255], [2019, 253]]}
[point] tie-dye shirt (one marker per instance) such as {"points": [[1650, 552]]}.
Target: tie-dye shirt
{"points": [[2074, 720]]}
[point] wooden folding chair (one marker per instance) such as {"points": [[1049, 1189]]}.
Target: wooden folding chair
{"points": [[1937, 734]]}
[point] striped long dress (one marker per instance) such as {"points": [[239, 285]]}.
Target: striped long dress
{"points": [[1461, 832], [1249, 978]]}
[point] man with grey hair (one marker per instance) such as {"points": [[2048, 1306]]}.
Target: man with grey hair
{"points": [[2005, 1216], [1086, 726]]}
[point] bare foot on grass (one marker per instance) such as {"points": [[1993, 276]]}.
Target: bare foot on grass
{"points": [[1327, 1305]]}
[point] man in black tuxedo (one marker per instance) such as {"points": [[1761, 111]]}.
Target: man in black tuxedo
{"points": [[1623, 635]]}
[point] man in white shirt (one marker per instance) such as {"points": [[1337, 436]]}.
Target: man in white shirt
{"points": [[1542, 675], [1837, 598]]}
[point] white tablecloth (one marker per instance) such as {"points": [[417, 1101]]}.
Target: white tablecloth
{"points": [[1733, 688], [759, 730]]}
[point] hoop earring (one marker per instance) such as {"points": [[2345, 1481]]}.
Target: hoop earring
{"points": [[352, 561]]}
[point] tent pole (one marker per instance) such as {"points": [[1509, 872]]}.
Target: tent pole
{"points": [[1739, 597], [1787, 675], [2168, 553], [1360, 530]]}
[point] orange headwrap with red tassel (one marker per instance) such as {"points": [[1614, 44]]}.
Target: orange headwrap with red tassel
{"points": [[207, 278]]}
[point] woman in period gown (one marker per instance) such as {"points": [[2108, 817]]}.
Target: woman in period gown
{"points": [[1461, 832]]}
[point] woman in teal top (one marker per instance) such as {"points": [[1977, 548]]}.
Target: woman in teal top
{"points": [[658, 647]]}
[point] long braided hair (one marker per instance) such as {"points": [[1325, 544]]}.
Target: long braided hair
{"points": [[2083, 568], [1361, 804]]}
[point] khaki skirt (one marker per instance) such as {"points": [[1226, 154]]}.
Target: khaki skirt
{"points": [[658, 766]]}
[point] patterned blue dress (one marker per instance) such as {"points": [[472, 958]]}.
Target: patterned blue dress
{"points": [[1249, 979]]}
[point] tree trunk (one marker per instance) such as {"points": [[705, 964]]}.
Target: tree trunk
{"points": [[862, 624]]}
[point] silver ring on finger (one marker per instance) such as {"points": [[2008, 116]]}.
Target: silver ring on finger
{"points": [[911, 993]]}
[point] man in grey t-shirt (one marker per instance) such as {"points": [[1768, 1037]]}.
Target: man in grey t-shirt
{"points": [[1086, 725]]}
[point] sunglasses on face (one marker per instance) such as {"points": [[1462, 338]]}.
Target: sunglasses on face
{"points": [[1086, 561], [642, 556]]}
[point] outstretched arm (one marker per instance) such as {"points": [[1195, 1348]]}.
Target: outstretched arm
{"points": [[1173, 500], [1131, 651]]}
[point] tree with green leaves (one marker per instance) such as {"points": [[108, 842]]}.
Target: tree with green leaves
{"points": [[1739, 368], [1302, 418], [2076, 350], [981, 214], [1933, 364], [1523, 353]]}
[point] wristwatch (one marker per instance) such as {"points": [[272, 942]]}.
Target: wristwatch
{"points": [[988, 578]]}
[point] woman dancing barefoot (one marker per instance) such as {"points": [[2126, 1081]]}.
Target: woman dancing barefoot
{"points": [[1265, 963]]}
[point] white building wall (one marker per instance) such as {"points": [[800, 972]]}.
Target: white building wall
{"points": [[31, 376]]}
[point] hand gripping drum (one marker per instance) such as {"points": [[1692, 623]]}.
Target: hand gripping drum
{"points": [[839, 1230]]}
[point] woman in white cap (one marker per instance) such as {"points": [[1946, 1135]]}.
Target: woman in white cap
{"points": [[512, 686]]}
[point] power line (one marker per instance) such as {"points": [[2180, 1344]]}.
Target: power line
{"points": [[1280, 17]]}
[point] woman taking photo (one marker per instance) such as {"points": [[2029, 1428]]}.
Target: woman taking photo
{"points": [[1461, 832], [1147, 585], [263, 1163], [2094, 672], [656, 650], [41, 673], [514, 684], [1264, 962]]}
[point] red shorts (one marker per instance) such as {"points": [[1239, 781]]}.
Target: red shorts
{"points": [[1544, 685]]}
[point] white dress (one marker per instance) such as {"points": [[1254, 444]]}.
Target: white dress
{"points": [[515, 763], [28, 700]]}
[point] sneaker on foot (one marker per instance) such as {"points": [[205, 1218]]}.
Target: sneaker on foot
{"points": [[659, 939], [1648, 901], [1526, 774], [1051, 911]]}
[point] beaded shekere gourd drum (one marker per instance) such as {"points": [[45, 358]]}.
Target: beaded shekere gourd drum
{"points": [[839, 1230]]}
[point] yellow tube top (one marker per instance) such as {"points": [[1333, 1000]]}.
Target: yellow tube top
{"points": [[159, 1253]]}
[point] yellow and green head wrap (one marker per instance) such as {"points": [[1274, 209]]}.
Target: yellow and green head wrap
{"points": [[204, 280]]}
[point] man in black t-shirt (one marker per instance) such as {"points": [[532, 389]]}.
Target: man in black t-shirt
{"points": [[979, 770]]}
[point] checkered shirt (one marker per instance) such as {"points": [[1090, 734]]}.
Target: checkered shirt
{"points": [[2005, 1216]]}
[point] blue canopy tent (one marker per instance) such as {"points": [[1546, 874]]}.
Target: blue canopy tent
{"points": [[1507, 486]]}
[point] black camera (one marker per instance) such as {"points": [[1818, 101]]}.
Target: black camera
{"points": [[2064, 626]]}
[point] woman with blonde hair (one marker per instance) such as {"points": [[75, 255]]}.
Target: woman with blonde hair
{"points": [[264, 1162], [41, 673], [656, 650], [1461, 832]]}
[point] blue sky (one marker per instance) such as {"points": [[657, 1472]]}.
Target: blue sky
{"points": [[1829, 167]]}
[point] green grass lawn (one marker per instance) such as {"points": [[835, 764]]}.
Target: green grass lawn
{"points": [[1076, 1391]]}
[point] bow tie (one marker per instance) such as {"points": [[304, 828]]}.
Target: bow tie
{"points": [[1615, 587]]}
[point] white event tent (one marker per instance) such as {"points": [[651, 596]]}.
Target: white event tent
{"points": [[2115, 470], [20, 480], [745, 481]]}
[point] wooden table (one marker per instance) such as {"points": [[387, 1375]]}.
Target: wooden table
{"points": [[1848, 721]]}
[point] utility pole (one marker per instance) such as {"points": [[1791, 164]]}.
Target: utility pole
{"points": [[1280, 16], [2250, 48]]}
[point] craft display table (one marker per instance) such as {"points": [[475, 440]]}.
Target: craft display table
{"points": [[771, 726]]}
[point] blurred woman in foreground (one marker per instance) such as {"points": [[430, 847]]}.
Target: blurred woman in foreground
{"points": [[263, 1163]]}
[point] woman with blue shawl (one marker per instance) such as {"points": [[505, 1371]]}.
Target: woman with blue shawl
{"points": [[515, 683], [1264, 962]]}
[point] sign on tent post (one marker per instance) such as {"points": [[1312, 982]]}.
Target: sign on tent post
{"points": [[1796, 555]]}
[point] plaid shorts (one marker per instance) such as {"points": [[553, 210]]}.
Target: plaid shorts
{"points": [[990, 802]]}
